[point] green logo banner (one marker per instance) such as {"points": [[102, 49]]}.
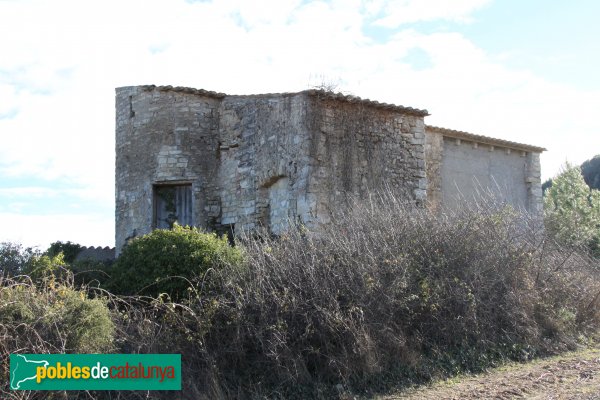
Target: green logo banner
{"points": [[95, 371]]}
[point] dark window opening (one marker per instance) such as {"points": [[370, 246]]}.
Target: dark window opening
{"points": [[131, 112], [228, 230], [172, 203]]}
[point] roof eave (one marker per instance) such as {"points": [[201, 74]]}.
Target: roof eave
{"points": [[485, 139]]}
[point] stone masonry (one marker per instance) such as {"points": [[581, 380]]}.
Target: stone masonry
{"points": [[230, 163]]}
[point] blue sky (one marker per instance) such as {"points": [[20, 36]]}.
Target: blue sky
{"points": [[517, 70]]}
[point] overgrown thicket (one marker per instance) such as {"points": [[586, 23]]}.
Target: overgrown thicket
{"points": [[386, 289], [383, 296], [52, 317]]}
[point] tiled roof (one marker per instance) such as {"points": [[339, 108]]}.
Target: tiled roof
{"points": [[322, 94], [355, 99], [484, 139], [182, 89]]}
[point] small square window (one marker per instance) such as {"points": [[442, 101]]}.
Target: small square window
{"points": [[172, 203]]}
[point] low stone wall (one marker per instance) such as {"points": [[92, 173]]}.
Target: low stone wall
{"points": [[101, 254]]}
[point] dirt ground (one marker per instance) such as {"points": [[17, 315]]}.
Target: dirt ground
{"points": [[570, 376]]}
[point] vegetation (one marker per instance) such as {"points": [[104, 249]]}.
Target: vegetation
{"points": [[171, 262], [546, 185], [52, 318], [572, 210], [385, 295], [69, 250], [14, 258], [591, 172]]}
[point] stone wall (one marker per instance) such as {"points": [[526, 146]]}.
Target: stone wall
{"points": [[240, 162], [434, 150], [533, 179], [259, 160], [163, 137], [99, 254], [231, 150], [263, 161], [357, 148]]}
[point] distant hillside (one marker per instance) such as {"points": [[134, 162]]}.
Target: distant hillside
{"points": [[591, 172]]}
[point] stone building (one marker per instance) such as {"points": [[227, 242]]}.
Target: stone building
{"points": [[227, 163]]}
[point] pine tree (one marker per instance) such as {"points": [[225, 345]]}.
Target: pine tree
{"points": [[572, 209]]}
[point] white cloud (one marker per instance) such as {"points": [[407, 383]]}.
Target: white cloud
{"points": [[41, 230], [28, 193], [399, 12], [64, 58]]}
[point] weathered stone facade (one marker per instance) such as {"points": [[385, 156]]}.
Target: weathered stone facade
{"points": [[237, 162]]}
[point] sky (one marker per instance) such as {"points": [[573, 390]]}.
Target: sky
{"points": [[521, 70]]}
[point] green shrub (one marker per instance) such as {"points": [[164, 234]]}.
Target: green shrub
{"points": [[69, 250], [89, 272], [572, 210], [14, 258], [44, 267], [50, 317], [54, 318], [170, 261]]}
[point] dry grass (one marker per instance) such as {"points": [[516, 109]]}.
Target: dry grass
{"points": [[385, 295], [574, 375]]}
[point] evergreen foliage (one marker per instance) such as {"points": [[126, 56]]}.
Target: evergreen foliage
{"points": [[69, 249], [591, 172], [572, 209], [170, 261], [14, 258], [55, 317]]}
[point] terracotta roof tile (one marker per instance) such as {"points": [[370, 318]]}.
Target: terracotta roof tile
{"points": [[373, 103], [484, 139], [322, 94]]}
